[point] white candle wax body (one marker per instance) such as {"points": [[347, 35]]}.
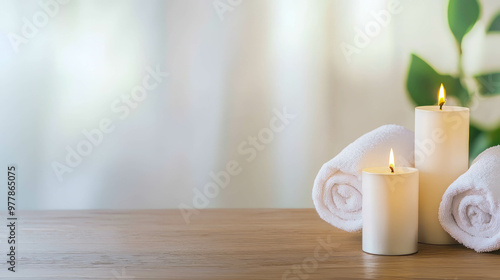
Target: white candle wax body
{"points": [[390, 211], [441, 156]]}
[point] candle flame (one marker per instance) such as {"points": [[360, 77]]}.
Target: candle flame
{"points": [[391, 161], [441, 97]]}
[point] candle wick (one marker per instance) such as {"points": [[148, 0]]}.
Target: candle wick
{"points": [[392, 168], [441, 106]]}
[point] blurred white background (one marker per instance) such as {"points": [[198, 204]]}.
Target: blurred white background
{"points": [[230, 64]]}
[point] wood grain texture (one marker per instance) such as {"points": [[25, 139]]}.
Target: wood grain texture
{"points": [[218, 244]]}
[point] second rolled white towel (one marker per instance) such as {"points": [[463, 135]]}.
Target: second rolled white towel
{"points": [[470, 209], [337, 190]]}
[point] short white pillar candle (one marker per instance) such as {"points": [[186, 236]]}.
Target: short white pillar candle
{"points": [[390, 210]]}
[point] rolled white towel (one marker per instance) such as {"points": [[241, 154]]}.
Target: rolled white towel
{"points": [[337, 189], [470, 209]]}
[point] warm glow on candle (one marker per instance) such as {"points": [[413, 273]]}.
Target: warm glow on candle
{"points": [[441, 97], [391, 161]]}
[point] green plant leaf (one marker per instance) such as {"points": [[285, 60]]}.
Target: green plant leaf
{"points": [[423, 84], [477, 142], [462, 15], [474, 132], [482, 141], [477, 146], [489, 84], [495, 24]]}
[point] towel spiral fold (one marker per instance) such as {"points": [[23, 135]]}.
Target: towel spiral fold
{"points": [[470, 209], [337, 193]]}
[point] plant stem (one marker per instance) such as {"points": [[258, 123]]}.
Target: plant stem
{"points": [[460, 63], [461, 74]]}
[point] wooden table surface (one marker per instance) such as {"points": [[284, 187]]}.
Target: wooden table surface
{"points": [[217, 244]]}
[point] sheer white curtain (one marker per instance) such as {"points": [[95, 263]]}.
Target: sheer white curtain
{"points": [[231, 66]]}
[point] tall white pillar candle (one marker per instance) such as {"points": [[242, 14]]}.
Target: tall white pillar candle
{"points": [[441, 156], [390, 210]]}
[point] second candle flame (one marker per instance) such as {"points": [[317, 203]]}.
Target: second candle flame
{"points": [[391, 161], [441, 97]]}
